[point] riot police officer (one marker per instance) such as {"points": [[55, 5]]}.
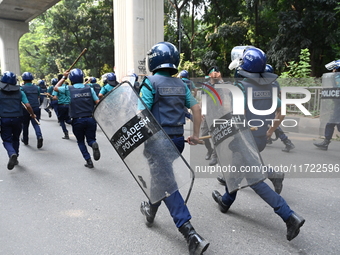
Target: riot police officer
{"points": [[63, 97], [279, 132], [43, 95], [11, 115], [33, 95], [168, 109], [93, 84], [110, 82], [82, 101], [252, 68], [330, 126], [184, 75], [54, 99]]}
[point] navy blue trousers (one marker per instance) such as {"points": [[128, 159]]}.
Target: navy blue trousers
{"points": [[273, 199], [329, 130], [84, 128], [10, 133], [63, 116], [175, 202], [26, 122]]}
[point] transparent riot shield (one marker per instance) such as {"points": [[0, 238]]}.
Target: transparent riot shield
{"points": [[45, 103], [238, 156], [330, 99], [142, 144]]}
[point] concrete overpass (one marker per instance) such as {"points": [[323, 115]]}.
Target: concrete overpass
{"points": [[14, 18]]}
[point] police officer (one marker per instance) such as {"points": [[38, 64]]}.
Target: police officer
{"points": [[329, 129], [11, 115], [279, 132], [43, 95], [110, 82], [63, 97], [93, 84], [54, 99], [83, 99], [252, 68], [168, 111], [184, 76], [215, 77], [33, 95]]}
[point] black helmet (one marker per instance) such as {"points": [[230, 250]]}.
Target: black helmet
{"points": [[163, 55]]}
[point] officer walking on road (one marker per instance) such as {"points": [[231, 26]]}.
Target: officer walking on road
{"points": [[82, 101], [43, 95], [54, 99], [33, 95], [330, 126], [168, 109], [252, 68], [11, 116], [93, 84]]}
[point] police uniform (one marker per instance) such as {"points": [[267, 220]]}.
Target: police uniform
{"points": [[110, 82], [167, 97], [11, 116], [33, 94], [43, 91], [54, 101], [93, 84], [63, 108], [82, 102], [253, 61]]}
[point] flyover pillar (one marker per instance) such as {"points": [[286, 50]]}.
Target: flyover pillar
{"points": [[10, 33], [138, 25]]}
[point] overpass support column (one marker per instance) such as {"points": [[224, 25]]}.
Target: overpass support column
{"points": [[10, 33], [138, 25]]}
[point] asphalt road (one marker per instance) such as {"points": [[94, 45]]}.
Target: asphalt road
{"points": [[51, 204]]}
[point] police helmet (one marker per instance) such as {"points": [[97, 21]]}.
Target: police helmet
{"points": [[9, 77], [111, 79], [269, 69], [254, 60], [27, 76], [54, 81], [337, 65], [184, 74], [76, 76], [93, 80], [41, 83], [163, 55]]}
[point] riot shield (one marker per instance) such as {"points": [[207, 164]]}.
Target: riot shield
{"points": [[238, 156], [45, 103], [142, 144], [330, 99]]}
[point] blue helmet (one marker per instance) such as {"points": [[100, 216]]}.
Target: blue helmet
{"points": [[54, 81], [163, 55], [269, 69], [41, 83], [9, 77], [111, 79], [93, 80], [27, 76], [254, 60], [76, 76], [184, 74]]}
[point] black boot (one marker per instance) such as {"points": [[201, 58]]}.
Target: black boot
{"points": [[40, 142], [294, 223], [96, 152], [66, 136], [149, 212], [13, 160], [89, 163], [289, 145], [197, 244], [277, 180], [218, 199], [208, 156], [221, 180], [323, 145]]}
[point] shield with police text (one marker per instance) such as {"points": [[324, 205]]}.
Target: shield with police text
{"points": [[142, 144], [330, 99], [238, 155]]}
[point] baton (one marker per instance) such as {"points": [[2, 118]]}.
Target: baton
{"points": [[81, 54], [29, 112]]}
